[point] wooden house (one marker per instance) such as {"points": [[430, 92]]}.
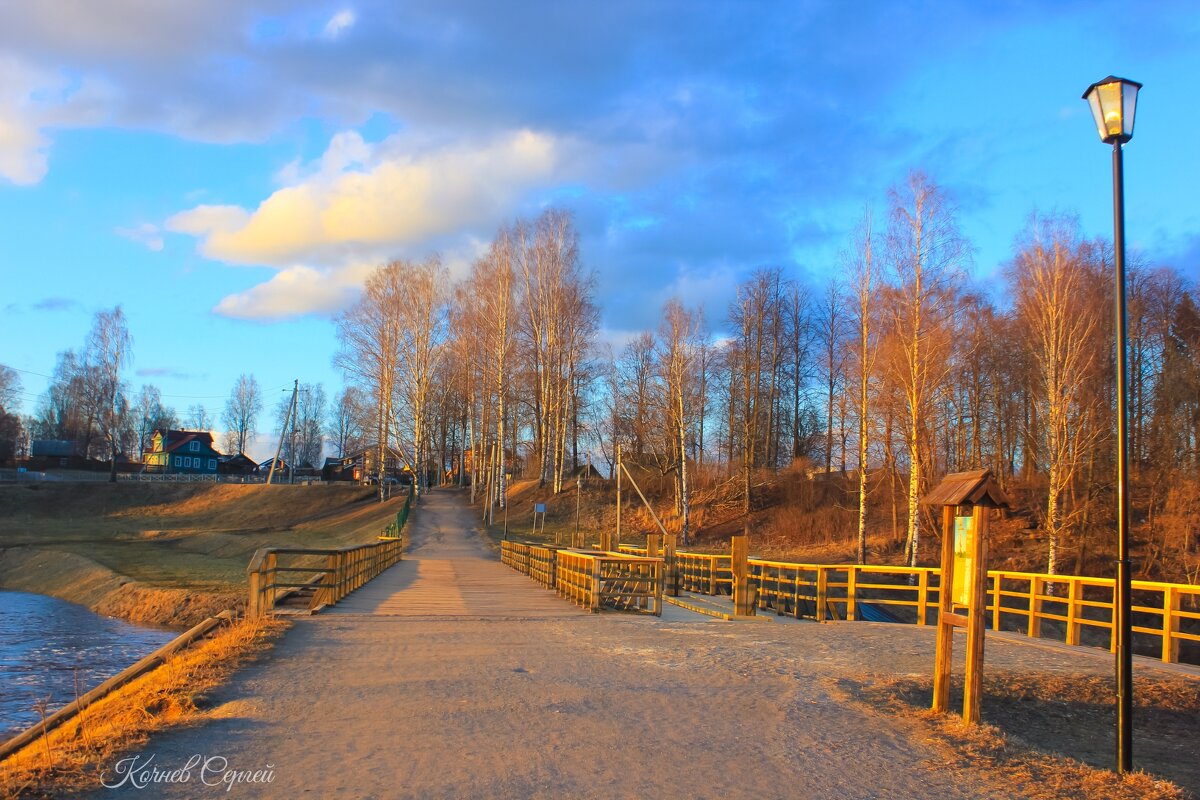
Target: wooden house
{"points": [[239, 464], [181, 452]]}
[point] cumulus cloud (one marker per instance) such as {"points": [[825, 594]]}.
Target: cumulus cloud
{"points": [[295, 291], [146, 234], [368, 198], [362, 203]]}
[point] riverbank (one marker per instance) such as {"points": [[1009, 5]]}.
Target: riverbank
{"points": [[77, 755], [167, 554]]}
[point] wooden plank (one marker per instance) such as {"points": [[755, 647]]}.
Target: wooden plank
{"points": [[943, 656], [973, 682]]}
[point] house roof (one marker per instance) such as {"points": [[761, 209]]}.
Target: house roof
{"points": [[174, 439], [976, 487]]}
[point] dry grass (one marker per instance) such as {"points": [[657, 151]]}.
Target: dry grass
{"points": [[1050, 735], [167, 554], [74, 756]]}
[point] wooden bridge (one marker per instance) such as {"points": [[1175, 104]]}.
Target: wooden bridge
{"points": [[450, 674]]}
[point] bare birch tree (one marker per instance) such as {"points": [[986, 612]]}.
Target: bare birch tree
{"points": [[1051, 285], [241, 413], [926, 251]]}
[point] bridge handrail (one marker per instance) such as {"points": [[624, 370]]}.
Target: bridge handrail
{"points": [[335, 573], [1021, 599], [598, 580]]}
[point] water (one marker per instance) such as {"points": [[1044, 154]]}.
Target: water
{"points": [[44, 641]]}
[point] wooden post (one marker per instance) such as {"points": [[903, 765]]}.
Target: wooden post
{"points": [[851, 588], [944, 654], [594, 605], [671, 565], [743, 605], [270, 577], [653, 545], [922, 596], [1073, 610], [1170, 645], [997, 582], [615, 541], [975, 619], [822, 592], [254, 606], [1037, 588]]}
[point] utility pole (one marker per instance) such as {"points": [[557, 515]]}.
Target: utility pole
{"points": [[283, 432]]}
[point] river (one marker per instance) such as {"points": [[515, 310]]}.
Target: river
{"points": [[45, 642]]}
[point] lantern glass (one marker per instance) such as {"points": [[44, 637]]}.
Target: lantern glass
{"points": [[1113, 102], [1129, 93]]}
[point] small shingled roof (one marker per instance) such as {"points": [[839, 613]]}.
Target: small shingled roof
{"points": [[976, 487]]}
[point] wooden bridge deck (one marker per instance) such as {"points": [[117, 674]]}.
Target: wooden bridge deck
{"points": [[468, 585]]}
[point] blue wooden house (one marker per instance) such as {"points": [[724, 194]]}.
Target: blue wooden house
{"points": [[181, 452]]}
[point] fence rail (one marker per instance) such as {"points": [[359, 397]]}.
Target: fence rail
{"points": [[606, 580], [332, 573], [1075, 609]]}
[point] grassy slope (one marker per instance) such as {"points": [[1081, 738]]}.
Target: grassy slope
{"points": [[167, 553]]}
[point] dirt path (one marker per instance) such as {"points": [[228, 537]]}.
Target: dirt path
{"points": [[498, 689]]}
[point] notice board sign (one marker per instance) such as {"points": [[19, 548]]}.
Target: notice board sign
{"points": [[964, 566]]}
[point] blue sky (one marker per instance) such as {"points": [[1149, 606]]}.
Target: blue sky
{"points": [[229, 171]]}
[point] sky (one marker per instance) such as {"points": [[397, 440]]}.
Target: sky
{"points": [[230, 171]]}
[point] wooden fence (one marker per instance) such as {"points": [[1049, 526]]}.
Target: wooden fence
{"points": [[1073, 609], [543, 564], [332, 573], [594, 580], [608, 580]]}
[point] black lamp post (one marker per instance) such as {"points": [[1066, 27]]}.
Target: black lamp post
{"points": [[1113, 101]]}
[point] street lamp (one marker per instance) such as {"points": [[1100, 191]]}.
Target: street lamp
{"points": [[1113, 101]]}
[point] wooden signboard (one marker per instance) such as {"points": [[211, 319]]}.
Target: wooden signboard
{"points": [[966, 499]]}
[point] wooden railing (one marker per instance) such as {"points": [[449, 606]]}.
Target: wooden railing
{"points": [[605, 580], [1073, 609], [332, 573], [396, 526], [515, 555], [543, 564]]}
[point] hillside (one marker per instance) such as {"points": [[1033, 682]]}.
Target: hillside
{"points": [[167, 553]]}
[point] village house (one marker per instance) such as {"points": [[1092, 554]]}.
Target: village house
{"points": [[181, 452]]}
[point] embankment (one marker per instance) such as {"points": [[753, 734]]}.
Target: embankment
{"points": [[78, 579], [167, 554]]}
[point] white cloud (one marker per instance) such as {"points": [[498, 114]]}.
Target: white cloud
{"points": [[338, 23], [205, 219], [295, 291], [362, 198], [146, 234], [360, 204], [22, 149]]}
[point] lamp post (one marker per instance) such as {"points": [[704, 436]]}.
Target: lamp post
{"points": [[1113, 102]]}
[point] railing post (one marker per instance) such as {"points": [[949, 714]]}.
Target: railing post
{"points": [[269, 579], [922, 596], [1073, 612], [997, 582], [594, 600], [254, 608], [1170, 645], [822, 587], [334, 562], [743, 603], [1037, 588], [671, 565], [851, 590]]}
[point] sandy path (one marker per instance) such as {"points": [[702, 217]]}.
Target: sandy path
{"points": [[471, 698]]}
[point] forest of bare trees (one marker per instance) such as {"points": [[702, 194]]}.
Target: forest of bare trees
{"points": [[883, 380]]}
